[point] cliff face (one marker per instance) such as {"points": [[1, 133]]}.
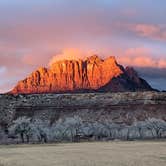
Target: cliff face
{"points": [[121, 108], [82, 75]]}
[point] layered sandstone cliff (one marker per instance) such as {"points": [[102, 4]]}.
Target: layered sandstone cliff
{"points": [[121, 108], [92, 74]]}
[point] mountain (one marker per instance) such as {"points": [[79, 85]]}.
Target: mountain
{"points": [[91, 74]]}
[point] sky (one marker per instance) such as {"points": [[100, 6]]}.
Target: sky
{"points": [[34, 32]]}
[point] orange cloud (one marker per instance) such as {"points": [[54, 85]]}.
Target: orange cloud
{"points": [[157, 32], [70, 54], [141, 57], [162, 63], [36, 58]]}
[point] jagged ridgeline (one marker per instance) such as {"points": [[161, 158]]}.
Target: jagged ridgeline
{"points": [[89, 75]]}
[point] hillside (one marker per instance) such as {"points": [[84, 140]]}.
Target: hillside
{"points": [[117, 107]]}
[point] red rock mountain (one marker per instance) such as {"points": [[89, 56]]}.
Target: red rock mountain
{"points": [[92, 74]]}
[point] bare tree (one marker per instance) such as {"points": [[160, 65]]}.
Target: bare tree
{"points": [[158, 125], [23, 127], [73, 126], [41, 130]]}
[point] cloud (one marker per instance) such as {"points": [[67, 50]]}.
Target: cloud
{"points": [[155, 76], [141, 57], [36, 59], [137, 57], [162, 63], [70, 54], [152, 31]]}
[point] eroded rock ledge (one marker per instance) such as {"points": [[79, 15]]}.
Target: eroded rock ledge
{"points": [[116, 107]]}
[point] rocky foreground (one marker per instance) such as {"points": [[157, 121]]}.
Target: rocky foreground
{"points": [[116, 107], [58, 117]]}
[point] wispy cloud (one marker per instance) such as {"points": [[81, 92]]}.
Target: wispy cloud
{"points": [[70, 54], [141, 57], [151, 31]]}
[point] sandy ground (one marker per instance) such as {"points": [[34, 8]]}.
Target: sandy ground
{"points": [[132, 153]]}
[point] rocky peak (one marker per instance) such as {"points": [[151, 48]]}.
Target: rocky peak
{"points": [[111, 59], [75, 75], [94, 59], [131, 72]]}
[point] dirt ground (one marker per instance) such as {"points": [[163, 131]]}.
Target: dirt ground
{"points": [[147, 153]]}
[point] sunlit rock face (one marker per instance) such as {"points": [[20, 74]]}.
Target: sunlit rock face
{"points": [[91, 74]]}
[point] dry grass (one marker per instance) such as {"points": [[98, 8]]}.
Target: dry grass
{"points": [[85, 154]]}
